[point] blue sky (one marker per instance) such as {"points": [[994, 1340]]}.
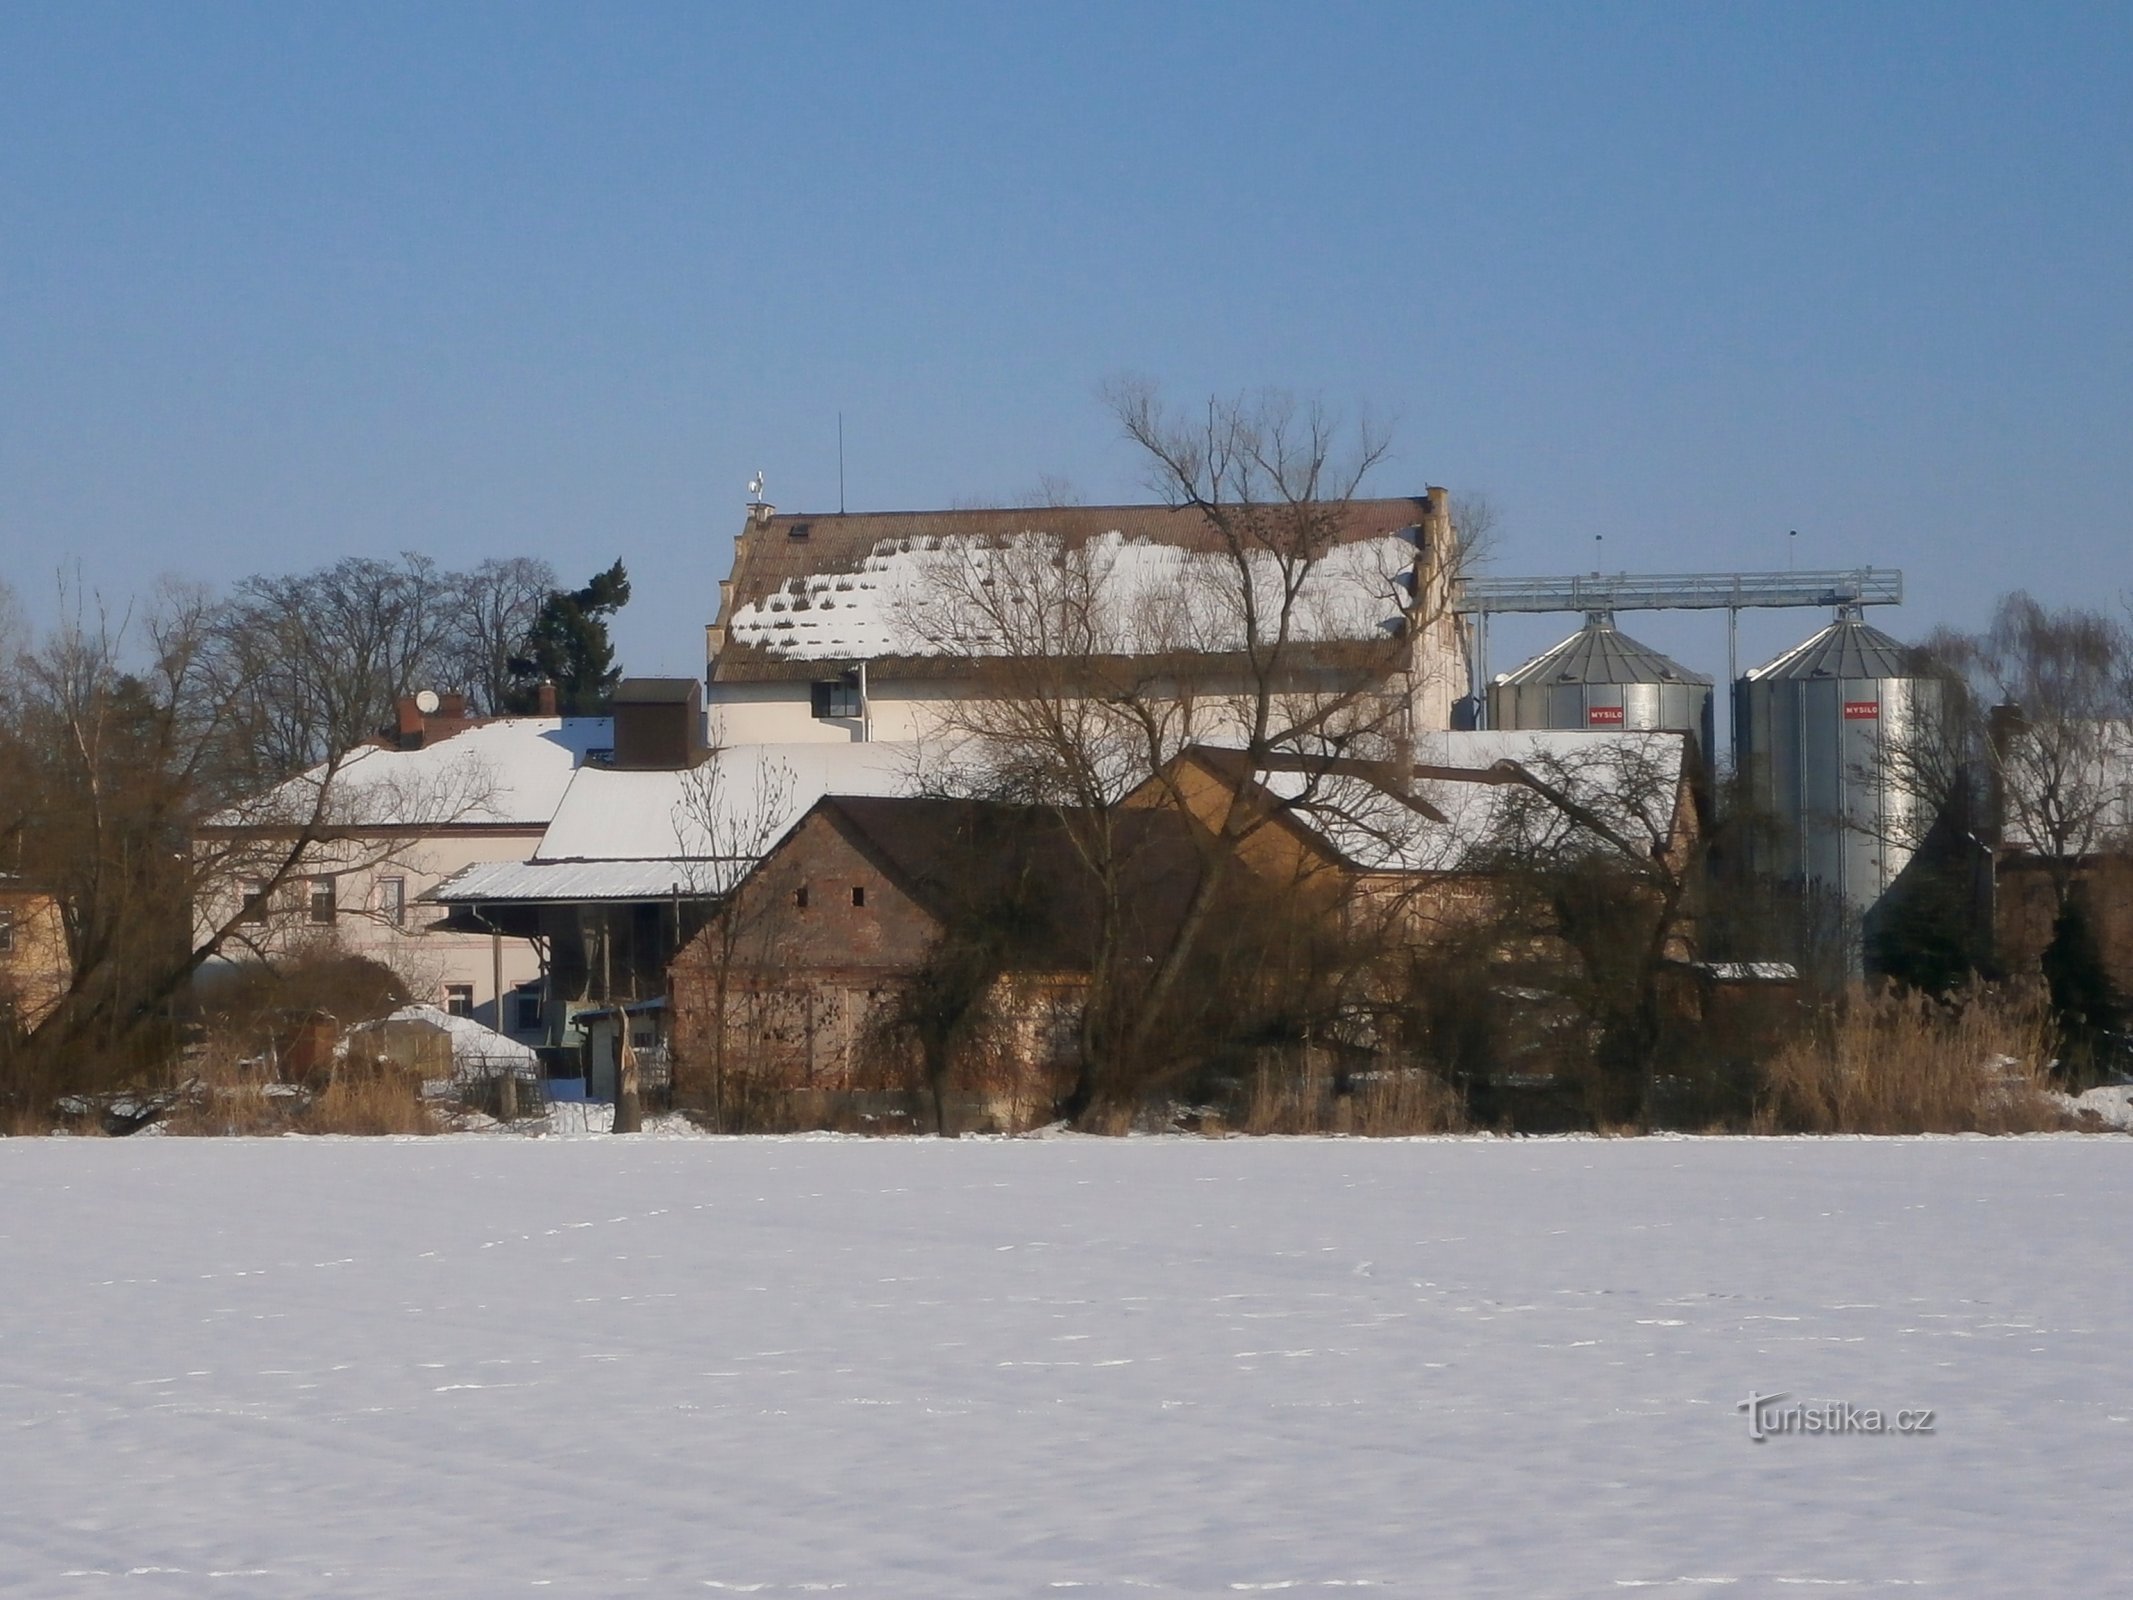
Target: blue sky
{"points": [[282, 283]]}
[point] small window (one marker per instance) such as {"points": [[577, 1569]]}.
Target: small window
{"points": [[7, 931], [319, 908], [799, 530], [532, 1012], [835, 698], [859, 894], [799, 897], [459, 999], [255, 901], [392, 901]]}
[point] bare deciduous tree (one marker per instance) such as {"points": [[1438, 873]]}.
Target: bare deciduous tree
{"points": [[722, 828], [1093, 666], [121, 797]]}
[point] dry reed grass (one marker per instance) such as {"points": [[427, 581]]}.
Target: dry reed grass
{"points": [[229, 1097], [368, 1103], [1888, 1062], [1377, 1104]]}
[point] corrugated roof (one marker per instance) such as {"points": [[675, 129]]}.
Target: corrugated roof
{"points": [[1847, 648], [565, 882], [1599, 652]]}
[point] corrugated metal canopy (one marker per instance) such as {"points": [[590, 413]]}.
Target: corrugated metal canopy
{"points": [[553, 882], [1601, 653]]}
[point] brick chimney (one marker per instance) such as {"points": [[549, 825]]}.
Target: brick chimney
{"points": [[407, 723], [414, 727], [544, 699]]}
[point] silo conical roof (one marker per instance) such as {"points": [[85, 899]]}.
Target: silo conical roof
{"points": [[1600, 653], [1847, 648]]}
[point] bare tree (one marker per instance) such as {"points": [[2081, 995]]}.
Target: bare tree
{"points": [[121, 797], [1093, 666], [722, 828], [1598, 853], [493, 610]]}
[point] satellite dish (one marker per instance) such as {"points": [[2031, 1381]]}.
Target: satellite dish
{"points": [[426, 702]]}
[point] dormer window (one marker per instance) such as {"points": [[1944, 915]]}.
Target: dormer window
{"points": [[798, 530]]}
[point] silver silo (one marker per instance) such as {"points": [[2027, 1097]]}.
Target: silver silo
{"points": [[1600, 677], [1814, 733]]}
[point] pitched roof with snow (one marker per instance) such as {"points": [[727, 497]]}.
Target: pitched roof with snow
{"points": [[474, 1047], [506, 772], [649, 835], [1466, 798], [845, 588]]}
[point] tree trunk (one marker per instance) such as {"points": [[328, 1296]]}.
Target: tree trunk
{"points": [[629, 1104]]}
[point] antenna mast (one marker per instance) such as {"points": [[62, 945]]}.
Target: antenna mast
{"points": [[840, 463]]}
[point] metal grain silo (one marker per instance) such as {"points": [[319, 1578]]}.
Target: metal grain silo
{"points": [[1813, 732], [1600, 677]]}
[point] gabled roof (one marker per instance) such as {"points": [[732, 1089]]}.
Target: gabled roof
{"points": [[1466, 793], [1014, 871], [824, 589]]}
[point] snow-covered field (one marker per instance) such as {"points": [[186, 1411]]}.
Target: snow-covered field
{"points": [[469, 1366]]}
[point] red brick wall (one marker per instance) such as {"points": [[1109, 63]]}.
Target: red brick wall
{"points": [[810, 990]]}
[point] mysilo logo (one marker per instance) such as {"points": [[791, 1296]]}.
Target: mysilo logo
{"points": [[1862, 710], [1603, 716]]}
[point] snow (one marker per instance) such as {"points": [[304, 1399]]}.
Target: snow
{"points": [[509, 770], [643, 835], [595, 1367], [2111, 1105], [475, 1049], [1149, 597], [762, 789]]}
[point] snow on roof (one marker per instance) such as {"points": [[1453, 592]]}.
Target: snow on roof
{"points": [[504, 772], [743, 799], [1151, 597], [569, 882], [1750, 971], [1629, 780], [647, 835], [473, 1046]]}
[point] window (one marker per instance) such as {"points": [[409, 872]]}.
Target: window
{"points": [[320, 907], [392, 901], [835, 698], [532, 1012], [859, 894], [255, 901], [459, 999], [7, 932], [799, 530], [799, 897]]}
